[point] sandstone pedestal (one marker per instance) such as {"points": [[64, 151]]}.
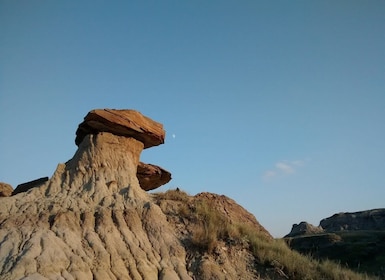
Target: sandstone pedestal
{"points": [[92, 220]]}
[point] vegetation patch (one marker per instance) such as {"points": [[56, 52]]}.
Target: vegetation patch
{"points": [[211, 227]]}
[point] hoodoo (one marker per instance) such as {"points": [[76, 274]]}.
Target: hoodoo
{"points": [[94, 219], [91, 219]]}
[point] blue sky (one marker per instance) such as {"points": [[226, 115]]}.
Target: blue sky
{"points": [[279, 105]]}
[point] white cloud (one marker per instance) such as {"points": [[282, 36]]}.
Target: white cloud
{"points": [[283, 167], [269, 174]]}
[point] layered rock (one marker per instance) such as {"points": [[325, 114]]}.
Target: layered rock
{"points": [[355, 239], [150, 177], [363, 220], [129, 123], [5, 189], [91, 219]]}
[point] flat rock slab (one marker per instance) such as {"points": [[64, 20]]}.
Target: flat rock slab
{"points": [[129, 123], [151, 176]]}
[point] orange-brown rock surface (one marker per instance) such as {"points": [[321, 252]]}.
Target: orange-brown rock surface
{"points": [[5, 189], [151, 176], [128, 123]]}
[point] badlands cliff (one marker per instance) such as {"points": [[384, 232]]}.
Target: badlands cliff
{"points": [[355, 239], [93, 219]]}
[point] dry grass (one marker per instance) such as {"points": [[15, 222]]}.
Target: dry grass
{"points": [[211, 226], [176, 195]]}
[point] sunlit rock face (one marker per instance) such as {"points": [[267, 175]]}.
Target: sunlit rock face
{"points": [[151, 176], [129, 123], [5, 189], [91, 219]]}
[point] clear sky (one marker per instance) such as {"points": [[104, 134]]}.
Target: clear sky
{"points": [[279, 105]]}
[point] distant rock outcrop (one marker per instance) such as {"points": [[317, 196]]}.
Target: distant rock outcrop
{"points": [[304, 228], [355, 239], [362, 220], [5, 189]]}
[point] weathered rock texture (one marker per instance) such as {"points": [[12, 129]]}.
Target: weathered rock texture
{"points": [[151, 176], [355, 239], [304, 228], [129, 123], [363, 220], [5, 189], [230, 258], [91, 220]]}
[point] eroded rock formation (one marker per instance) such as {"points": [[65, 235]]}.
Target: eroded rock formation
{"points": [[5, 189], [94, 220], [363, 220], [304, 228], [29, 185], [355, 239], [150, 177], [91, 219]]}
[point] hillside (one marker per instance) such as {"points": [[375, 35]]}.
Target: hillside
{"points": [[94, 219], [355, 240]]}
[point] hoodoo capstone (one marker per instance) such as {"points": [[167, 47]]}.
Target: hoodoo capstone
{"points": [[129, 123]]}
